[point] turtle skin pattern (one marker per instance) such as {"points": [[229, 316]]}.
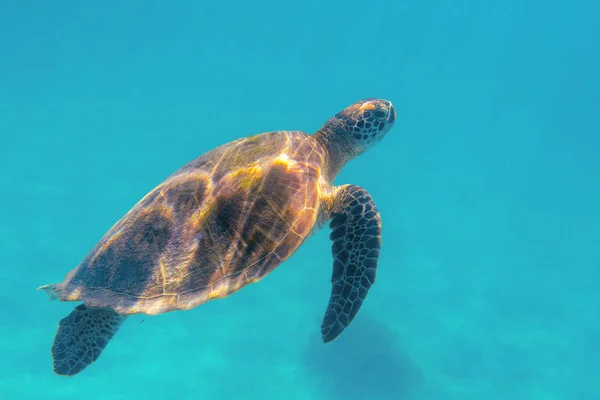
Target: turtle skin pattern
{"points": [[82, 336], [356, 236]]}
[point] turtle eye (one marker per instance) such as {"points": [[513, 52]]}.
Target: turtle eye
{"points": [[379, 114]]}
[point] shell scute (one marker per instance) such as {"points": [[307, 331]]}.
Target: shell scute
{"points": [[186, 196], [129, 254]]}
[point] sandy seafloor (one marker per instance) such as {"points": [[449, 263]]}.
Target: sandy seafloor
{"points": [[488, 187]]}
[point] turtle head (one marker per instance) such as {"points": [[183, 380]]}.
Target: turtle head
{"points": [[353, 131], [364, 123]]}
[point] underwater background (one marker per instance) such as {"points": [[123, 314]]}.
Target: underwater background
{"points": [[488, 185]]}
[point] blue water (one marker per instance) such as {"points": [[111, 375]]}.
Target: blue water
{"points": [[488, 185]]}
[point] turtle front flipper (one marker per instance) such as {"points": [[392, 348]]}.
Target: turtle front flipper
{"points": [[356, 235], [82, 336]]}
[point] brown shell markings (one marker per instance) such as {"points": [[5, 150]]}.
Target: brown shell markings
{"points": [[220, 222]]}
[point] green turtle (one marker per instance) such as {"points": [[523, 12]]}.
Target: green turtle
{"points": [[227, 219]]}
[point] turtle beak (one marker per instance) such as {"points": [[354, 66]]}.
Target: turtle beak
{"points": [[392, 116]]}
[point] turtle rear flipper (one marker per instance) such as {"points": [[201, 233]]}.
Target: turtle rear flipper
{"points": [[82, 336], [356, 235]]}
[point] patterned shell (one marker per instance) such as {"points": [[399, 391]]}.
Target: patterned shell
{"points": [[220, 222]]}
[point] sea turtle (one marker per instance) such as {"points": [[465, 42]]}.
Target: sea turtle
{"points": [[227, 219]]}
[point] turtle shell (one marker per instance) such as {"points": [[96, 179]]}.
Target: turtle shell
{"points": [[220, 222]]}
